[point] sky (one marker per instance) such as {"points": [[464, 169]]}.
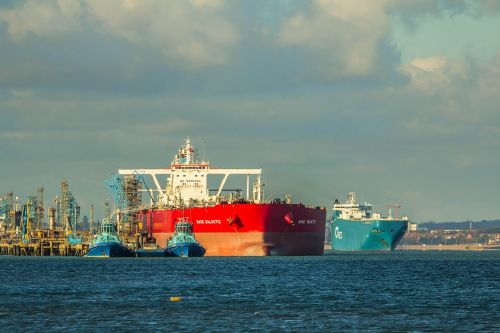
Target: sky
{"points": [[395, 100]]}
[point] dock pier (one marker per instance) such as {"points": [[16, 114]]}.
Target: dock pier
{"points": [[44, 247]]}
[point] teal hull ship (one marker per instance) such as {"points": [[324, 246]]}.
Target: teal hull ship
{"points": [[355, 228]]}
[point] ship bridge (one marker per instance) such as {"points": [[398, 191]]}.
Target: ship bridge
{"points": [[187, 180]]}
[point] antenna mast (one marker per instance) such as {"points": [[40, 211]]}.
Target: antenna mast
{"points": [[396, 207]]}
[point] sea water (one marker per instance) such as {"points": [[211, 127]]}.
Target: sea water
{"points": [[398, 291]]}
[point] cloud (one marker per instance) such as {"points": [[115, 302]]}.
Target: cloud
{"points": [[17, 135], [342, 35], [343, 39], [42, 18], [98, 84], [429, 64], [450, 78], [451, 100], [202, 45], [435, 74], [489, 82], [485, 7], [190, 34]]}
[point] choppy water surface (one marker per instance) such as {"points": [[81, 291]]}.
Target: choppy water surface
{"points": [[399, 291]]}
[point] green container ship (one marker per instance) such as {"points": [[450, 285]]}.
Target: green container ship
{"points": [[355, 228]]}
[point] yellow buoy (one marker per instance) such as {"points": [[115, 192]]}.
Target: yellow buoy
{"points": [[175, 298]]}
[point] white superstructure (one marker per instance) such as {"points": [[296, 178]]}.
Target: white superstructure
{"points": [[351, 210], [187, 180]]}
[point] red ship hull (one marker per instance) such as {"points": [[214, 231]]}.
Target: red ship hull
{"points": [[245, 229]]}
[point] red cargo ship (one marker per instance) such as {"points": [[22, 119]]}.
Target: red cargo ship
{"points": [[228, 224]]}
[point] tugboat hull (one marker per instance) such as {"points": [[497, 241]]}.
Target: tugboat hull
{"points": [[185, 250], [109, 250]]}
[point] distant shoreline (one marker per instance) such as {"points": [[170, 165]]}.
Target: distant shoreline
{"points": [[442, 247], [450, 247]]}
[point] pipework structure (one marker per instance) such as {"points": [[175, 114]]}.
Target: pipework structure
{"points": [[68, 210], [30, 218], [127, 200], [40, 209], [7, 214], [24, 231]]}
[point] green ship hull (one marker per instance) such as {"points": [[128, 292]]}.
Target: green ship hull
{"points": [[367, 235]]}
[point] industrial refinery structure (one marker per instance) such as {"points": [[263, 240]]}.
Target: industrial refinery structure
{"points": [[26, 228]]}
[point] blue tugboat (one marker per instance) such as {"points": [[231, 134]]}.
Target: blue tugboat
{"points": [[183, 243], [107, 243], [355, 228]]}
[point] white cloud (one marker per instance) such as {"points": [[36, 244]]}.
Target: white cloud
{"points": [[346, 38], [342, 35], [435, 74], [42, 18], [446, 98], [208, 3], [429, 64], [191, 34], [17, 135]]}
